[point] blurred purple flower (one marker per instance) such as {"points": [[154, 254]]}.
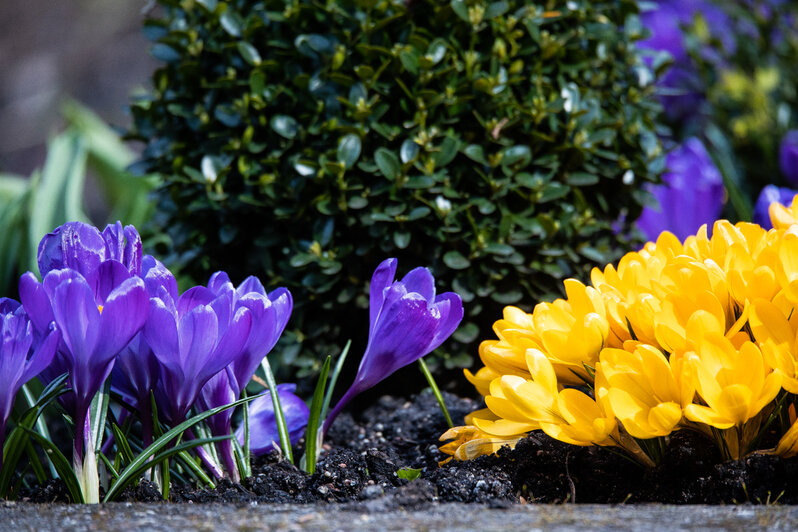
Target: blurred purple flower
{"points": [[771, 194], [691, 194], [20, 360], [406, 321], [788, 157], [263, 434], [82, 247], [270, 313], [682, 92], [97, 316]]}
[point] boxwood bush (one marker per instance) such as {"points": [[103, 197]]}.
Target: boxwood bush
{"points": [[502, 144]]}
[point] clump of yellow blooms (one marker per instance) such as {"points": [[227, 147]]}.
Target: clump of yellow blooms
{"points": [[700, 335]]}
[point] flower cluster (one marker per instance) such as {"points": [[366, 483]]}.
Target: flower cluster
{"points": [[109, 322], [103, 310], [697, 334]]}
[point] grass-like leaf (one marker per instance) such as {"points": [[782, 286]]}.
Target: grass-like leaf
{"points": [[435, 390], [282, 426], [148, 457], [311, 433], [61, 464], [15, 443], [333, 380]]}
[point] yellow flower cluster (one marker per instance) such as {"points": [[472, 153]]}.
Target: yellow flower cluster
{"points": [[700, 334]]}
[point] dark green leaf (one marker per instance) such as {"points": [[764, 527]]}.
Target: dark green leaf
{"points": [[388, 163], [249, 53], [349, 150], [455, 260], [285, 126]]}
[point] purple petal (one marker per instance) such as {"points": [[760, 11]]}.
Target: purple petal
{"points": [[73, 245], [160, 333], [124, 313], [135, 372], [107, 277], [78, 319], [197, 334], [191, 298], [232, 343], [788, 157], [381, 279], [450, 307], [251, 284], [157, 277], [420, 280], [217, 392], [35, 301], [219, 282], [263, 424], [8, 305], [43, 356]]}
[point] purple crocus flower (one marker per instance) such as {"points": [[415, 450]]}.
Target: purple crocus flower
{"points": [[20, 360], [137, 369], [97, 316], [771, 194], [406, 321], [193, 338], [263, 432], [682, 91], [270, 313], [788, 156], [82, 247], [691, 194]]}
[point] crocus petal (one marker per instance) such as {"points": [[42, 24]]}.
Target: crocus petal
{"points": [[123, 245], [197, 334], [124, 312], [78, 319], [108, 275], [450, 307], [420, 280], [263, 425], [191, 298], [219, 282], [382, 279], [42, 356], [251, 285], [160, 332], [74, 245], [157, 277], [35, 301]]}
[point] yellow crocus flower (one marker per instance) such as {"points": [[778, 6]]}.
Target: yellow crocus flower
{"points": [[778, 340], [783, 217], [735, 384], [573, 331], [646, 391]]}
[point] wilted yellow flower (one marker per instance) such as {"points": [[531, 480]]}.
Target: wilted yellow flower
{"points": [[469, 443], [646, 391], [735, 385], [788, 444]]}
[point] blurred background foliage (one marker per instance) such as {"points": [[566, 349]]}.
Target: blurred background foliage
{"points": [[732, 82], [497, 143], [31, 206]]}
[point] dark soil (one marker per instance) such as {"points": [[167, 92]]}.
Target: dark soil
{"points": [[363, 454]]}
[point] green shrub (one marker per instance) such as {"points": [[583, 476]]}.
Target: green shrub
{"points": [[496, 143]]}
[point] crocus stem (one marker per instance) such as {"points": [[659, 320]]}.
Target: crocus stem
{"points": [[432, 384], [205, 458], [339, 406], [225, 451], [282, 428]]}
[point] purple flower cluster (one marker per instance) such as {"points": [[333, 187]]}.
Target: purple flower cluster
{"points": [[103, 310]]}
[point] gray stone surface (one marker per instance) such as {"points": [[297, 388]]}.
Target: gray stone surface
{"points": [[20, 517]]}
